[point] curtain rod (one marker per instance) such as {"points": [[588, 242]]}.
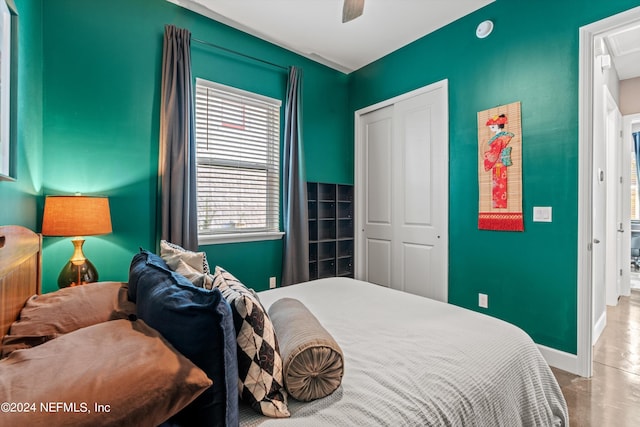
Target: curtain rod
{"points": [[239, 54]]}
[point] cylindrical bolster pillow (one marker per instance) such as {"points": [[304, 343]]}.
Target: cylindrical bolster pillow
{"points": [[312, 360]]}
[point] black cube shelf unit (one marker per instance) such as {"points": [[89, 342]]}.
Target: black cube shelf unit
{"points": [[330, 230]]}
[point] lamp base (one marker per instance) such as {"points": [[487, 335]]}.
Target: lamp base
{"points": [[79, 270], [74, 275]]}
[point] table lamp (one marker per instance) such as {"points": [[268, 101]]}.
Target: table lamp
{"points": [[76, 216]]}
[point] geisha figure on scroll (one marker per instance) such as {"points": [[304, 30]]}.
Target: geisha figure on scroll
{"points": [[497, 159]]}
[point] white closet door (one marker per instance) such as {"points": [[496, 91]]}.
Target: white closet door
{"points": [[402, 182], [378, 230]]}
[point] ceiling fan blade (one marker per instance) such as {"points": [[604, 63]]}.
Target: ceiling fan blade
{"points": [[352, 9]]}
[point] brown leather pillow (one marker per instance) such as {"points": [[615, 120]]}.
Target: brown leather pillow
{"points": [[313, 364], [63, 311], [110, 374]]}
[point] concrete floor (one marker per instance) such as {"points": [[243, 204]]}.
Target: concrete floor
{"points": [[612, 396]]}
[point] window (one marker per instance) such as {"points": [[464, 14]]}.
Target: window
{"points": [[238, 163]]}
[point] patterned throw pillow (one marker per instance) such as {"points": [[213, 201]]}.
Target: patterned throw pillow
{"points": [[172, 254], [259, 362], [196, 277]]}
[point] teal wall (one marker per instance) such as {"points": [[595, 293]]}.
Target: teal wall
{"points": [[19, 199], [532, 57], [101, 82], [88, 117]]}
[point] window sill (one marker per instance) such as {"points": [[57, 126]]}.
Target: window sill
{"points": [[238, 238]]}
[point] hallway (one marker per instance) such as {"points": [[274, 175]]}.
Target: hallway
{"points": [[612, 396]]}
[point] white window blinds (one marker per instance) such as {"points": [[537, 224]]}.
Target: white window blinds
{"points": [[238, 160]]}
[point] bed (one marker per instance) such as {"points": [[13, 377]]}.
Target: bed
{"points": [[408, 360], [414, 361], [20, 271]]}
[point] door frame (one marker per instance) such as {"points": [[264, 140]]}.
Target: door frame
{"points": [[615, 230], [359, 168], [628, 122], [612, 236], [582, 363]]}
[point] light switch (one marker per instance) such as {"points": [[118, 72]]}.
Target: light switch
{"points": [[542, 213]]}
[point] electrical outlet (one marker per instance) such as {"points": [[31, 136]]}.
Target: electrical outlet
{"points": [[483, 300], [272, 282]]}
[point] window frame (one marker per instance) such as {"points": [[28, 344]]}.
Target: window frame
{"points": [[251, 236]]}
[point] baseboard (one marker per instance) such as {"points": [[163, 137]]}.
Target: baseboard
{"points": [[599, 327], [559, 359]]}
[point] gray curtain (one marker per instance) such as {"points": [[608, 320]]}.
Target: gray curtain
{"points": [[295, 259], [177, 167]]}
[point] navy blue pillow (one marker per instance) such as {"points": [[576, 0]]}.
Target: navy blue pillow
{"points": [[199, 324]]}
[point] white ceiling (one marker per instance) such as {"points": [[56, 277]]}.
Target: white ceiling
{"points": [[314, 28], [624, 47]]}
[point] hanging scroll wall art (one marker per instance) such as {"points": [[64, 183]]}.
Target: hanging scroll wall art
{"points": [[500, 168]]}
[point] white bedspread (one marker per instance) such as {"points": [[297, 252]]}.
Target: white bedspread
{"points": [[412, 361]]}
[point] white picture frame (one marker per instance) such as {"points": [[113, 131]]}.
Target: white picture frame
{"points": [[6, 167]]}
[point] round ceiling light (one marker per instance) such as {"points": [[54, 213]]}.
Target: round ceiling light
{"points": [[484, 29]]}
